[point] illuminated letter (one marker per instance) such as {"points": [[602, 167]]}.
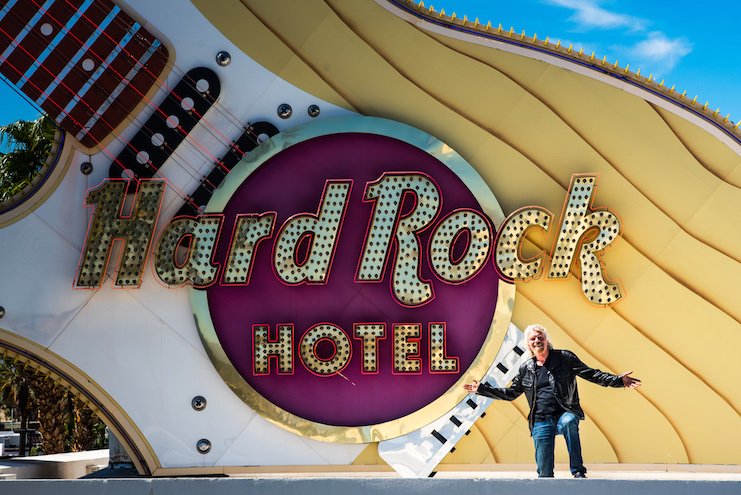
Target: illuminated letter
{"points": [[585, 231], [388, 193], [264, 349], [108, 224], [370, 334], [457, 269], [439, 361], [325, 365], [249, 230], [406, 349], [509, 242], [185, 250], [317, 233]]}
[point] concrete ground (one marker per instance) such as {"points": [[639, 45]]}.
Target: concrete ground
{"points": [[370, 486], [521, 472], [604, 479]]}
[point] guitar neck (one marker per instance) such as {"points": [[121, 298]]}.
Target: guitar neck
{"points": [[86, 63]]}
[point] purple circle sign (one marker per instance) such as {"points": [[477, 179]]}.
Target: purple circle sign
{"points": [[367, 290]]}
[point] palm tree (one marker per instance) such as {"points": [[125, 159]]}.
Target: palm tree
{"points": [[26, 145], [89, 431], [15, 390], [65, 422], [54, 413]]}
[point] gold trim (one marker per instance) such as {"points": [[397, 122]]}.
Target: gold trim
{"points": [[103, 405], [28, 204], [354, 434], [428, 413]]}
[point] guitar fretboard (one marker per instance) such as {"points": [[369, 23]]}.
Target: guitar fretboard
{"points": [[86, 63]]}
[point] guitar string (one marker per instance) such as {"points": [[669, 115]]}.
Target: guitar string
{"points": [[177, 158], [236, 122], [116, 137], [193, 142], [115, 160], [162, 82], [51, 99]]}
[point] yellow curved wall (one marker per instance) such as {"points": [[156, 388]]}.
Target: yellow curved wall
{"points": [[527, 126]]}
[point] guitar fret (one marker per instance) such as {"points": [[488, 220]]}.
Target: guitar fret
{"points": [[111, 78], [77, 56], [48, 74], [12, 23], [118, 90], [98, 72], [76, 80], [57, 39], [7, 8], [24, 32], [34, 43]]}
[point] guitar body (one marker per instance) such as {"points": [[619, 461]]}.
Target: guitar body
{"points": [[525, 119]]}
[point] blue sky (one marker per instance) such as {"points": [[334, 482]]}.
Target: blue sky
{"points": [[693, 45]]}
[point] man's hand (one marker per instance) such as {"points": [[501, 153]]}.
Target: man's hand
{"points": [[628, 381], [471, 387]]}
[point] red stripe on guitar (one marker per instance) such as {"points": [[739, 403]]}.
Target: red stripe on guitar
{"points": [[132, 92], [116, 76], [12, 24], [106, 82]]}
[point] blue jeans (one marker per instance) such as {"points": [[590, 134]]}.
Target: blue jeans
{"points": [[544, 437]]}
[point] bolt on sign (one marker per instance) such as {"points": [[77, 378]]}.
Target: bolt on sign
{"points": [[347, 274]]}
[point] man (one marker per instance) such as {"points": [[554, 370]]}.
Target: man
{"points": [[549, 383]]}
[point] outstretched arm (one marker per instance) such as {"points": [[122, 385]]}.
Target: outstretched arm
{"points": [[509, 393], [598, 376]]}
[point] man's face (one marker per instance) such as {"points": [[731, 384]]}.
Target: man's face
{"points": [[537, 342]]}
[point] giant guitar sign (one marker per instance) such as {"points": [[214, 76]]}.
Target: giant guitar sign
{"points": [[270, 237], [381, 251]]}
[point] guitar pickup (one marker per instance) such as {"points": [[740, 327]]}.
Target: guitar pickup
{"points": [[168, 126], [244, 144]]}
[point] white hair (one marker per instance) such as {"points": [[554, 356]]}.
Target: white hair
{"points": [[536, 327]]}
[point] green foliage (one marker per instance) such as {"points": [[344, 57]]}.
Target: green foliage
{"points": [[16, 393], [26, 146], [100, 436], [65, 424]]}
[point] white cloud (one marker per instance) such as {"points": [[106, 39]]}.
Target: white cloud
{"points": [[659, 52], [658, 46], [655, 52], [589, 14]]}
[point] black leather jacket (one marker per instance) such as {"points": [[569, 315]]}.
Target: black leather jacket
{"points": [[563, 368]]}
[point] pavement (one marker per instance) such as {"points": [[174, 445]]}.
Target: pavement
{"points": [[700, 472]]}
